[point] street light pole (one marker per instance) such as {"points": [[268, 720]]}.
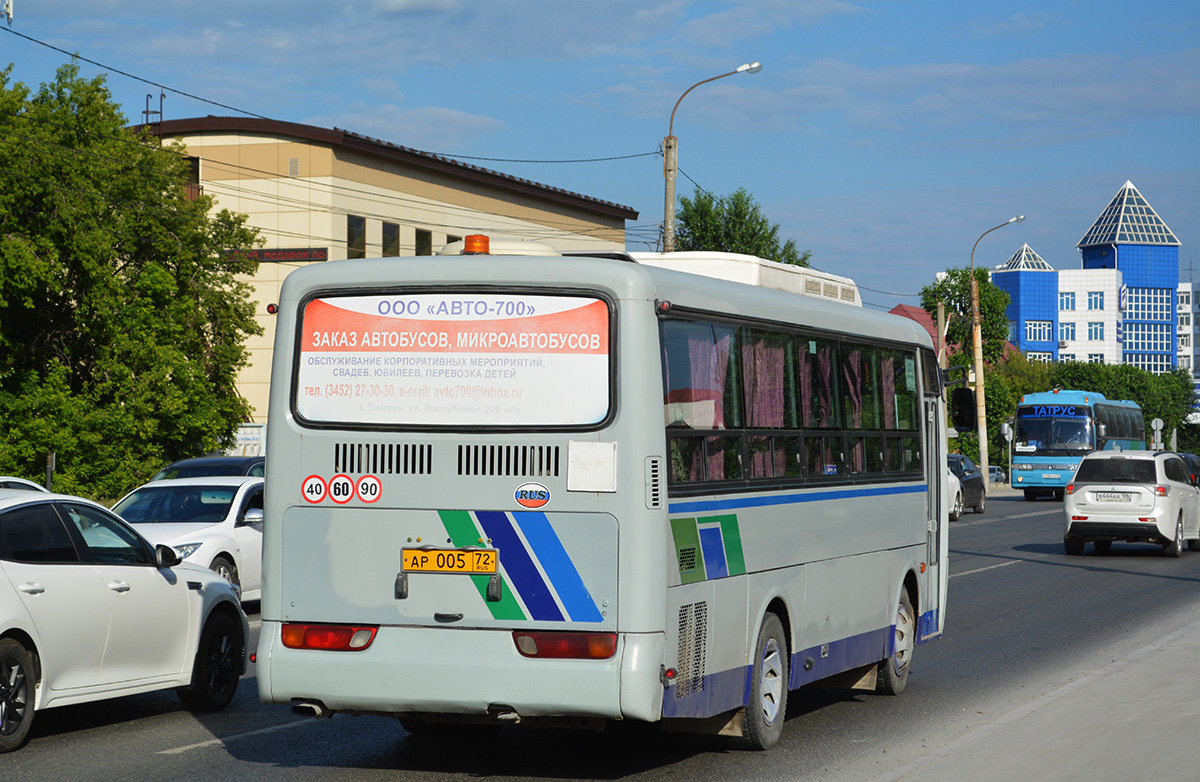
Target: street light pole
{"points": [[976, 337], [671, 156]]}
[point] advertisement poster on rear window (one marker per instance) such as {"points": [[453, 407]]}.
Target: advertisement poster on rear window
{"points": [[454, 360]]}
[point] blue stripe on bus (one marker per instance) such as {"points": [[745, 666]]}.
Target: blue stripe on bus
{"points": [[714, 552], [726, 690], [558, 566], [760, 501], [526, 580]]}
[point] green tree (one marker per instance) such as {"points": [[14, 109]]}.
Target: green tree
{"points": [[122, 318], [733, 224], [1168, 396], [954, 289]]}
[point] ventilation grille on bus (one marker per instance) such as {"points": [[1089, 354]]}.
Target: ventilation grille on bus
{"points": [[383, 458], [654, 494], [693, 649], [514, 460]]}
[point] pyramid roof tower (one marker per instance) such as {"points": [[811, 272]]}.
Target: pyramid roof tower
{"points": [[1128, 219], [1025, 259]]}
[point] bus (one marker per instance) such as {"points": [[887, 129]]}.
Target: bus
{"points": [[1053, 430], [564, 491]]}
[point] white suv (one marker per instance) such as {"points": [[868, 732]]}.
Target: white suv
{"points": [[1138, 496]]}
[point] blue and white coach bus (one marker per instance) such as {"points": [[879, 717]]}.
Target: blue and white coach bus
{"points": [[565, 490], [1053, 430]]}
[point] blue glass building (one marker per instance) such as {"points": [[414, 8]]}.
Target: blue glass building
{"points": [[1119, 307]]}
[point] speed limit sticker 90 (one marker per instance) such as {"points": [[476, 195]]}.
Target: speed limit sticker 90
{"points": [[314, 488], [369, 488], [341, 489]]}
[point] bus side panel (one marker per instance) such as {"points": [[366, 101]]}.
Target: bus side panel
{"points": [[706, 645]]}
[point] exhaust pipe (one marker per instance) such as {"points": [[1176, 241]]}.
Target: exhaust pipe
{"points": [[314, 709]]}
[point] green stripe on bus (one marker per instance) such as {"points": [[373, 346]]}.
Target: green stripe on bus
{"points": [[687, 550], [463, 532], [731, 534]]}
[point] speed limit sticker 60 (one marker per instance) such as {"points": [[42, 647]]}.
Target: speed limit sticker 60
{"points": [[369, 488], [341, 489]]}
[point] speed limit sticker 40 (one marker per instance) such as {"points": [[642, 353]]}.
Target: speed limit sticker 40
{"points": [[369, 488], [314, 488]]}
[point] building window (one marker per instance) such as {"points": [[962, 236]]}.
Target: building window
{"points": [[1095, 330], [1185, 362], [1047, 357], [1185, 340], [1185, 298], [1149, 304], [1066, 356], [1095, 358], [391, 240], [1066, 331], [1066, 300], [1185, 319], [356, 236], [1037, 331], [1012, 331], [1095, 300], [424, 242], [1148, 336]]}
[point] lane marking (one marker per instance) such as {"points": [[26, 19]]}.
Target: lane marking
{"points": [[235, 737], [989, 567]]}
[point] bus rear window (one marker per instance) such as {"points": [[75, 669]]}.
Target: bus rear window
{"points": [[453, 359]]}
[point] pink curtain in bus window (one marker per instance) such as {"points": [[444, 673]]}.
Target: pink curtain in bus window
{"points": [[762, 382], [816, 381], [852, 379], [889, 392], [762, 373]]}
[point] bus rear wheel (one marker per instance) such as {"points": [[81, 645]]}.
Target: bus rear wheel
{"points": [[769, 686], [893, 672]]}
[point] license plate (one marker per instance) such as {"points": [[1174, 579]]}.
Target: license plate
{"points": [[1051, 476], [454, 560], [1111, 496]]}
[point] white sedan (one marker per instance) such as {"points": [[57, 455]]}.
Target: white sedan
{"points": [[90, 610], [216, 522]]}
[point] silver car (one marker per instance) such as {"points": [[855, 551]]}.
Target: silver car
{"points": [[1138, 496]]}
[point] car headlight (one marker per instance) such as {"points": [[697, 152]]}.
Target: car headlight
{"points": [[1022, 466], [185, 550]]}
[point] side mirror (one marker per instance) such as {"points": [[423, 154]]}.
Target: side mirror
{"points": [[165, 556], [253, 516], [962, 409], [1101, 431]]}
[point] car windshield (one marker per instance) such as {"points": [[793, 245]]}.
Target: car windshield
{"points": [[176, 504], [1116, 471]]}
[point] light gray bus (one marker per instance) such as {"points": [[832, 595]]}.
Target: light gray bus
{"points": [[565, 490]]}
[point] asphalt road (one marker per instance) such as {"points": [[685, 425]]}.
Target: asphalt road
{"points": [[1023, 621]]}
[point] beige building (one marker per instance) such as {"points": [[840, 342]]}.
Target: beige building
{"points": [[317, 194]]}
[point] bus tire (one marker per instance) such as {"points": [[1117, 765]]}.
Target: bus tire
{"points": [[769, 685], [17, 687], [1030, 495], [893, 671]]}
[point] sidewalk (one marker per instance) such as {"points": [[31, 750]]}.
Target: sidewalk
{"points": [[1134, 719]]}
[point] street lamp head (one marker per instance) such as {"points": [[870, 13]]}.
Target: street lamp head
{"points": [[750, 67], [1018, 219]]}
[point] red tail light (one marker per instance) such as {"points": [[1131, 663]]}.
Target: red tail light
{"points": [[335, 638], [576, 646], [1161, 491], [1070, 488]]}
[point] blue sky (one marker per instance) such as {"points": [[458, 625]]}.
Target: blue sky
{"points": [[885, 136]]}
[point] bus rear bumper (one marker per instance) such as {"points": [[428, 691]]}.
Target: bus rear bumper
{"points": [[475, 675]]}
